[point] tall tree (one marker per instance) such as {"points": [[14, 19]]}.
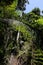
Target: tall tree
{"points": [[36, 11], [22, 4], [6, 2], [7, 8]]}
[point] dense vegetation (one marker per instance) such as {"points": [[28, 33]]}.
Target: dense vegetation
{"points": [[30, 28]]}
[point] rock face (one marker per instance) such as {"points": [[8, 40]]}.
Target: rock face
{"points": [[13, 60], [10, 40]]}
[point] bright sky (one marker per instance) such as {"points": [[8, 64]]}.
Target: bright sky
{"points": [[33, 4]]}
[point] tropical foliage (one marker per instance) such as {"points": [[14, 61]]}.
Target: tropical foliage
{"points": [[30, 29]]}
